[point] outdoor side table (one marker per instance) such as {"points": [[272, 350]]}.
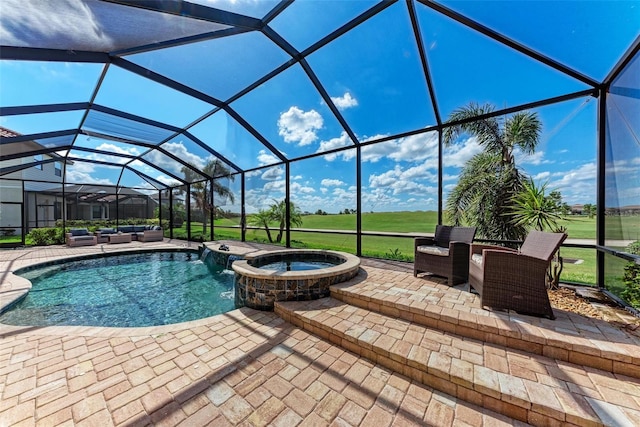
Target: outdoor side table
{"points": [[120, 238]]}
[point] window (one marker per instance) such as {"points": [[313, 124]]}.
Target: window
{"points": [[57, 210], [96, 212], [58, 168], [38, 158]]}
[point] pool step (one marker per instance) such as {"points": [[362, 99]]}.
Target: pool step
{"points": [[570, 337], [527, 387]]}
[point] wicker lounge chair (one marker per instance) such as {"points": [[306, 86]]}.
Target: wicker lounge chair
{"points": [[508, 279], [80, 237], [446, 254]]}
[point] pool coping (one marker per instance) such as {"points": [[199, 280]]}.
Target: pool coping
{"points": [[243, 267]]}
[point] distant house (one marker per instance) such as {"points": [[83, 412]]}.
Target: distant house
{"points": [[20, 180], [577, 209], [624, 210], [100, 202], [32, 194]]}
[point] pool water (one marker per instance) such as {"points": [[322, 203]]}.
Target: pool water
{"points": [[143, 289]]}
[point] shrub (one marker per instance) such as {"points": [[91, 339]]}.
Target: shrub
{"points": [[46, 236], [631, 278], [397, 255]]}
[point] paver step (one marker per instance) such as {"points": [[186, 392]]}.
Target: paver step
{"points": [[527, 387], [570, 337]]}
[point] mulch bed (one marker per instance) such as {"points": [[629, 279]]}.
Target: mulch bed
{"points": [[566, 299]]}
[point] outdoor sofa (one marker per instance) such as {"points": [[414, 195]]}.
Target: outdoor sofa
{"points": [[80, 237], [446, 254], [143, 233]]}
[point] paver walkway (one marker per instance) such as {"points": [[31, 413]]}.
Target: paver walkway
{"points": [[244, 367]]}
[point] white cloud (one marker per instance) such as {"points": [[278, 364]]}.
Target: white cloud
{"points": [[47, 22], [297, 188], [342, 141], [622, 178], [449, 188], [111, 159], [378, 200], [623, 166], [416, 147], [253, 173], [277, 186], [374, 152], [537, 158], [542, 176], [299, 126], [332, 183], [411, 148], [85, 173], [401, 180], [343, 195], [272, 174], [132, 151], [457, 155], [576, 185], [345, 101], [419, 172], [168, 181], [265, 158], [179, 150]]}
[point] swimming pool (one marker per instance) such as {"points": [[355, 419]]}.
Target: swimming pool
{"points": [[141, 289]]}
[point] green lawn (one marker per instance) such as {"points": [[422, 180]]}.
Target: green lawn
{"points": [[10, 240], [402, 222], [580, 227]]}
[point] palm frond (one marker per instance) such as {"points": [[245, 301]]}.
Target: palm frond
{"points": [[523, 130]]}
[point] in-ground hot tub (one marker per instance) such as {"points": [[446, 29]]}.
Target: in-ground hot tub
{"points": [[290, 275]]}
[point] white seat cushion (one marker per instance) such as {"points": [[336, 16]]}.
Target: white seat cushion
{"points": [[476, 258], [433, 250]]}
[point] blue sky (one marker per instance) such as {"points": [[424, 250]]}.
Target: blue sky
{"points": [[374, 77]]}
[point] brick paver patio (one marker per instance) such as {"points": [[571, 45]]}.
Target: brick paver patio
{"points": [[403, 351]]}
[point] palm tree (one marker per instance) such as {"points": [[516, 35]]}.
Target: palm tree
{"points": [[262, 219], [490, 180], [277, 212], [201, 190]]}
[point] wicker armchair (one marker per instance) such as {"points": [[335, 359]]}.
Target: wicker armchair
{"points": [[446, 254], [508, 279]]}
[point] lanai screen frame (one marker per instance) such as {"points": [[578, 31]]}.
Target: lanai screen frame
{"points": [[239, 24]]}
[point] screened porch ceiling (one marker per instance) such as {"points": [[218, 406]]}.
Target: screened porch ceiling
{"points": [[155, 90]]}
